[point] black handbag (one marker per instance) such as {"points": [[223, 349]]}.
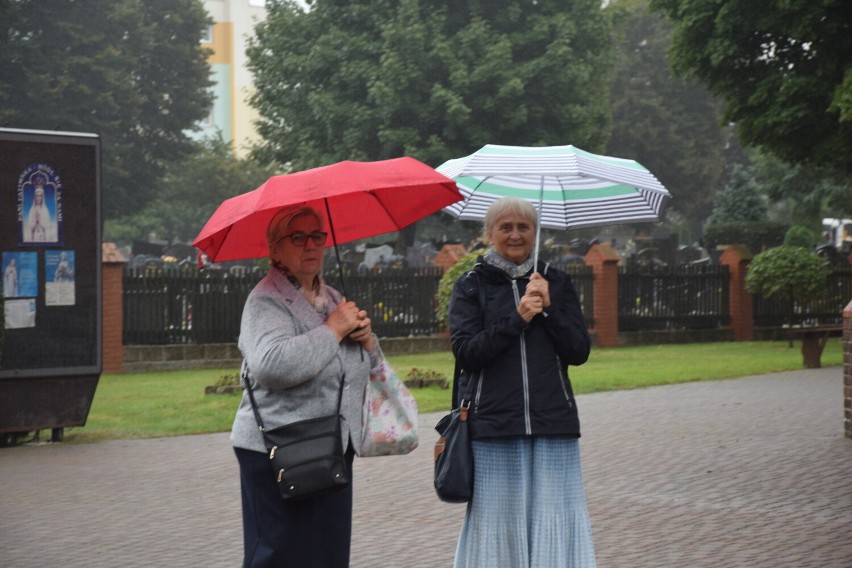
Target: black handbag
{"points": [[306, 456], [453, 452]]}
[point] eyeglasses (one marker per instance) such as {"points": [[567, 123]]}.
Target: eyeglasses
{"points": [[300, 238]]}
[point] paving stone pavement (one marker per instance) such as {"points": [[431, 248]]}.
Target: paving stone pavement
{"points": [[752, 472]]}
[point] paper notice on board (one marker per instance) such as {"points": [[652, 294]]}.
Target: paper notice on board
{"points": [[59, 278], [20, 313]]}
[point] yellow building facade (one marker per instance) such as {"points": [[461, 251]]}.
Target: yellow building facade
{"points": [[231, 115]]}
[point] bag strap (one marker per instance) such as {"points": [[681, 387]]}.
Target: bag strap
{"points": [[245, 378]]}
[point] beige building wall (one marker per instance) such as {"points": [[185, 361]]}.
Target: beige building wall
{"points": [[234, 21]]}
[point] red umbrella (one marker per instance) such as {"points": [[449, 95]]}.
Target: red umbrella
{"points": [[360, 199]]}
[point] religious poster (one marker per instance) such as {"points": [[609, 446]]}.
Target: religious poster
{"points": [[39, 206], [20, 275], [59, 278]]}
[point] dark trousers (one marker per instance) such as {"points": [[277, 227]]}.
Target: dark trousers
{"points": [[316, 531]]}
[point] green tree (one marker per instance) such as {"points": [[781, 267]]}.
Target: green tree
{"points": [[189, 193], [794, 273], [429, 79], [740, 201], [131, 71], [670, 126], [809, 192], [783, 68], [798, 236]]}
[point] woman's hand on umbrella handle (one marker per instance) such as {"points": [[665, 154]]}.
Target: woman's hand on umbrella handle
{"points": [[538, 285], [530, 306], [344, 319], [363, 334]]}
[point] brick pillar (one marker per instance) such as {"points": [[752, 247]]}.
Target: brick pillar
{"points": [[604, 262], [740, 305], [112, 272], [847, 370]]}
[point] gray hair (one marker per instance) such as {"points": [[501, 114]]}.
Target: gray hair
{"points": [[280, 223], [509, 205]]}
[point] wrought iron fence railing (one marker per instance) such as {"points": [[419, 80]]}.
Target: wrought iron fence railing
{"points": [[778, 311], [190, 306], [673, 297]]}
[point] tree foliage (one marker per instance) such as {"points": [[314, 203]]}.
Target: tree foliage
{"points": [[740, 201], [190, 192], [784, 69], [810, 192], [756, 235], [131, 71], [431, 79], [794, 273], [670, 126], [448, 281], [798, 236]]}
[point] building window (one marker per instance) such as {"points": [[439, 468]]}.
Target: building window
{"points": [[208, 120], [207, 35]]}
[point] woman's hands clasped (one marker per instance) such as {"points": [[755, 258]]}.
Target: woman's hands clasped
{"points": [[348, 320], [535, 299]]}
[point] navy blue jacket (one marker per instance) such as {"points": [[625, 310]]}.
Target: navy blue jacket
{"points": [[517, 373]]}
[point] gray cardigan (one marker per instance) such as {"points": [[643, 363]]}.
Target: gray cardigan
{"points": [[295, 364]]}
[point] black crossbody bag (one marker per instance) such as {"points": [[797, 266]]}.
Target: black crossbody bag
{"points": [[306, 456]]}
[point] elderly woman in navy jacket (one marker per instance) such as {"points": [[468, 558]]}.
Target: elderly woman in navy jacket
{"points": [[514, 332]]}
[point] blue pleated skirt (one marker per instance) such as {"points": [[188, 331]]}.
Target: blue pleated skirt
{"points": [[528, 508]]}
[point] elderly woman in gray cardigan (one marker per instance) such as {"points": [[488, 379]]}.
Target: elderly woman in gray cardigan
{"points": [[299, 339]]}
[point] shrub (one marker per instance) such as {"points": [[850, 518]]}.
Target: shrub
{"points": [[799, 236], [796, 274], [448, 280], [421, 378]]}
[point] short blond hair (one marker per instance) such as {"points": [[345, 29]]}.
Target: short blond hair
{"points": [[280, 223], [509, 205]]}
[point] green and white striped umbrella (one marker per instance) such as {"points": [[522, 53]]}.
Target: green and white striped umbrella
{"points": [[571, 188]]}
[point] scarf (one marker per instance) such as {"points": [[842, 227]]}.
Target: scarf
{"points": [[511, 269], [320, 303]]}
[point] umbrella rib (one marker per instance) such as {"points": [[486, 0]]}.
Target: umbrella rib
{"points": [[227, 232]]}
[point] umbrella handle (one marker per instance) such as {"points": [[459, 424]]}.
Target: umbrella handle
{"points": [[336, 251], [538, 224], [339, 264]]}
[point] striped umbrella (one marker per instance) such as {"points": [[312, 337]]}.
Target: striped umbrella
{"points": [[571, 188]]}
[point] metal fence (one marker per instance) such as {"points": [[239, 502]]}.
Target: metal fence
{"points": [[184, 306], [191, 306], [401, 301], [673, 297], [778, 311], [584, 282]]}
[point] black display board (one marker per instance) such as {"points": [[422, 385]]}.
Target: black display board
{"points": [[50, 250]]}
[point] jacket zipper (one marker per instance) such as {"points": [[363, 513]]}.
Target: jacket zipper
{"points": [[524, 373], [562, 381]]}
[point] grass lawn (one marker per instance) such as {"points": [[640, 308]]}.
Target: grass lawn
{"points": [[147, 405]]}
